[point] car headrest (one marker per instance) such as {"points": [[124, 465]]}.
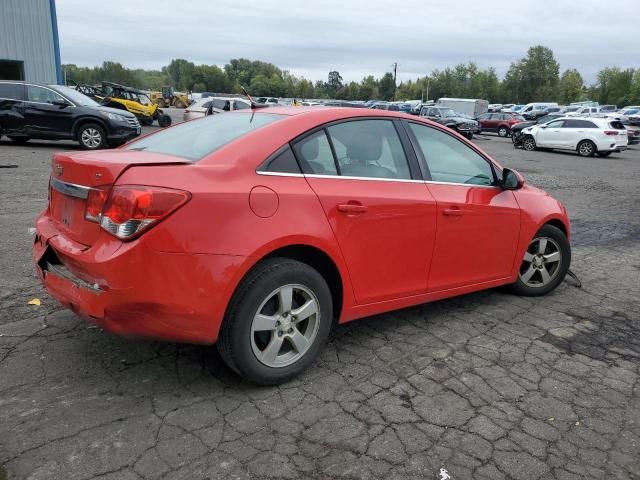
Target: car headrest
{"points": [[309, 149], [365, 147]]}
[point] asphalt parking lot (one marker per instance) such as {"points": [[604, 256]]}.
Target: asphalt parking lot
{"points": [[485, 386]]}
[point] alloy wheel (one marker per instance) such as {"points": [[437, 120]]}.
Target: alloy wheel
{"points": [[586, 149], [285, 326], [541, 262], [91, 138], [529, 144]]}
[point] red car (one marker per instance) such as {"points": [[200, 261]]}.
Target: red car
{"points": [[257, 230], [499, 122]]}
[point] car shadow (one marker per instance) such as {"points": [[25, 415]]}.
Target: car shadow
{"points": [[62, 144]]}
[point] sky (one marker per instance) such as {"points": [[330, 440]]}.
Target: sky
{"points": [[355, 37]]}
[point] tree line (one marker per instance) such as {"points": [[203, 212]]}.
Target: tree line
{"points": [[535, 77]]}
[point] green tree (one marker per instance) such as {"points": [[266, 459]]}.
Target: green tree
{"points": [[334, 83], [387, 86], [615, 86], [570, 87], [180, 72]]}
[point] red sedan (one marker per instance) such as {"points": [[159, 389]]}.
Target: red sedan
{"points": [[256, 230]]}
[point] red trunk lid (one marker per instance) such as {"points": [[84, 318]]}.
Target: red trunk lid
{"points": [[73, 175]]}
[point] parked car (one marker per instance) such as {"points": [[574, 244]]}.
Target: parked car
{"points": [[516, 130], [495, 107], [214, 105], [499, 122], [133, 253], [629, 116], [608, 108], [587, 136], [633, 135], [538, 112], [513, 109], [533, 110], [53, 112], [385, 106], [449, 118]]}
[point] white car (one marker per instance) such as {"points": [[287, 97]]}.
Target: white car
{"points": [[587, 136], [217, 104]]}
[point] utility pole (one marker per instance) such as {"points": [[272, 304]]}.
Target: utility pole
{"points": [[395, 69]]}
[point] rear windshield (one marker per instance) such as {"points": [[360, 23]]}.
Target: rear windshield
{"points": [[197, 139]]}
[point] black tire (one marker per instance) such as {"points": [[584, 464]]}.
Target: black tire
{"points": [[19, 140], [503, 131], [586, 148], [558, 237], [179, 104], [529, 143], [235, 342], [164, 120], [604, 154], [146, 121], [469, 136], [92, 136]]}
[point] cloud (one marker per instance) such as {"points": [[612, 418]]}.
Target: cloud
{"points": [[355, 37]]}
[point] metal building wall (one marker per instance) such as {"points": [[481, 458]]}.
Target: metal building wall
{"points": [[29, 32]]}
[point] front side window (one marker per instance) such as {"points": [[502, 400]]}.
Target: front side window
{"points": [[41, 95], [369, 148], [556, 124], [449, 160], [195, 140]]}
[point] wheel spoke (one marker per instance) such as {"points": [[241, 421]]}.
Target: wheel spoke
{"points": [[270, 353], [306, 310], [299, 341], [552, 257], [262, 323], [546, 278], [542, 245], [526, 276], [285, 297], [528, 257]]}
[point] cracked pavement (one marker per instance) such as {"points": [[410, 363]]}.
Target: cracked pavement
{"points": [[488, 386]]}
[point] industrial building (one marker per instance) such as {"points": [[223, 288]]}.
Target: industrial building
{"points": [[29, 46]]}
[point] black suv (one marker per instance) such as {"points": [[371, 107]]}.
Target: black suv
{"points": [[446, 116], [53, 112]]}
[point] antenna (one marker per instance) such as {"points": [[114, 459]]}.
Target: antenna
{"points": [[254, 105]]}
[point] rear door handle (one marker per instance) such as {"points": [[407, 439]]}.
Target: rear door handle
{"points": [[453, 212], [352, 208]]}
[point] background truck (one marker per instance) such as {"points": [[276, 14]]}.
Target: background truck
{"points": [[469, 106]]}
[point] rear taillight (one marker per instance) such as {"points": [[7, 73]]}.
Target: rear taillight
{"points": [[128, 210], [95, 203], [610, 133]]}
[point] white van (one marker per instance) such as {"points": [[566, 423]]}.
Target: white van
{"points": [[531, 107], [469, 106]]}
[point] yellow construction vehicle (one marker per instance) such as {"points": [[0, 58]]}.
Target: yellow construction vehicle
{"points": [[167, 97]]}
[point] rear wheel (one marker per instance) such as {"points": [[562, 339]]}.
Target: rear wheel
{"points": [[19, 140], [91, 136], [604, 154], [164, 120], [503, 131], [529, 143], [146, 121], [179, 104], [277, 321], [161, 103], [545, 263], [586, 148]]}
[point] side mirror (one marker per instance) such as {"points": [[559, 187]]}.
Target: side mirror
{"points": [[61, 103], [511, 180], [544, 125]]}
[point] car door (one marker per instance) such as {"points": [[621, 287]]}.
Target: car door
{"points": [[11, 108], [43, 118], [478, 223], [551, 134], [485, 121], [382, 216]]}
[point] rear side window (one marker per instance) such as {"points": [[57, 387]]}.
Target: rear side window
{"points": [[369, 148], [12, 91], [314, 153], [579, 124], [283, 162], [195, 140], [449, 160], [617, 125]]}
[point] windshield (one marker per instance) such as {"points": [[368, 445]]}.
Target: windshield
{"points": [[144, 99], [75, 96], [197, 139], [447, 112]]}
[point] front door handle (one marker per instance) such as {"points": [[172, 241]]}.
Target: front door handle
{"points": [[352, 208], [453, 212]]}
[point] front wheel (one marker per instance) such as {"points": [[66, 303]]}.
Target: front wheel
{"points": [[529, 143], [545, 263], [91, 136], [277, 321], [164, 120], [586, 148]]}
